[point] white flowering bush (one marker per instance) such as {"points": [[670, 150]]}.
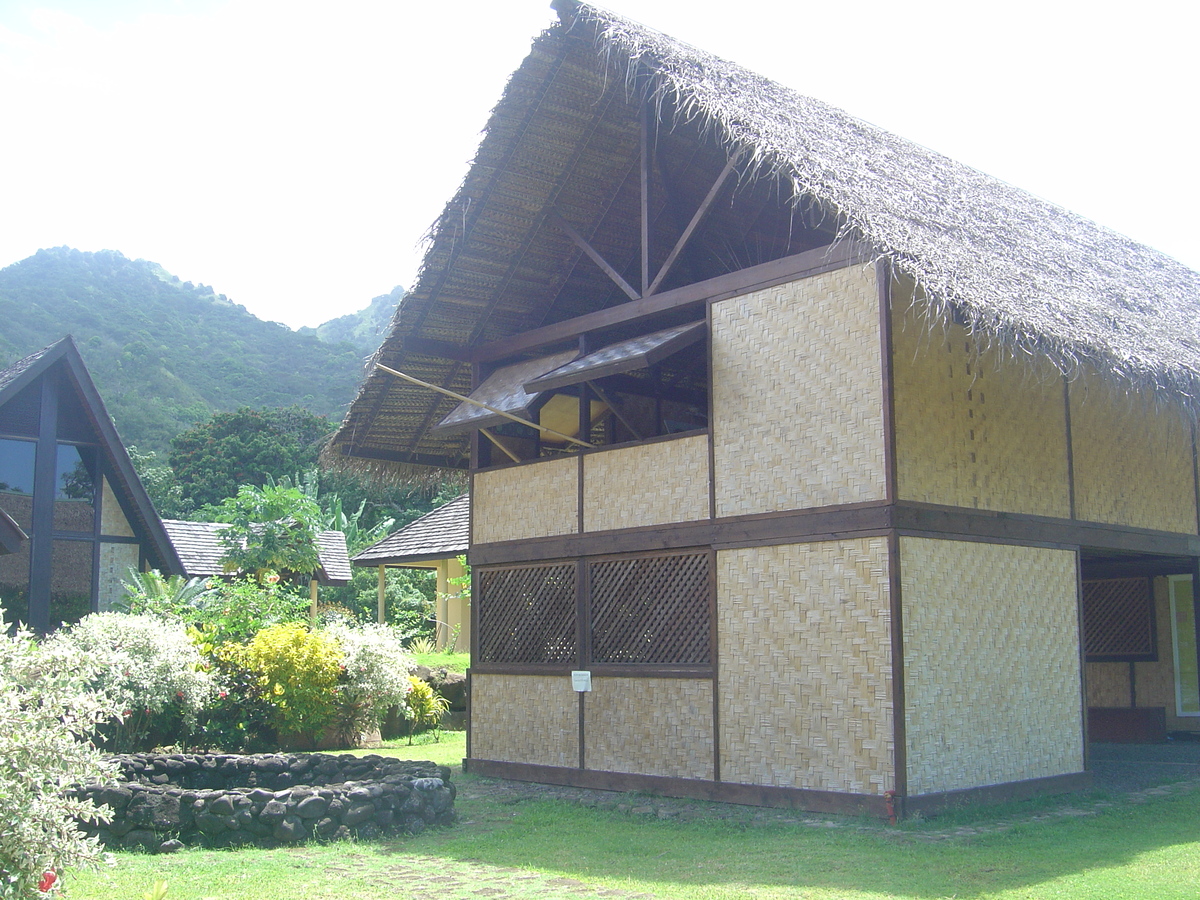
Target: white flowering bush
{"points": [[375, 675], [146, 665], [47, 715]]}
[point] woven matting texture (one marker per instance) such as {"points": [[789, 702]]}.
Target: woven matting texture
{"points": [[1108, 684], [651, 726], [975, 428], [805, 679], [534, 500], [115, 562], [991, 664], [654, 484], [1133, 459], [525, 718], [797, 395], [112, 519]]}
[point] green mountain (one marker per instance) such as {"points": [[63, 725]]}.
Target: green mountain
{"points": [[364, 329], [166, 354]]}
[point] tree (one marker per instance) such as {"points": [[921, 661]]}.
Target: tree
{"points": [[271, 529], [246, 447]]}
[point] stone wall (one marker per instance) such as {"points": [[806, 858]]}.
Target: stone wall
{"points": [[222, 800]]}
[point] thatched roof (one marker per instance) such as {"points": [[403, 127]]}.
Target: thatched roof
{"points": [[1023, 273]]}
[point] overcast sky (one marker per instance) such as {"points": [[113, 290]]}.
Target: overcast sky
{"points": [[291, 154]]}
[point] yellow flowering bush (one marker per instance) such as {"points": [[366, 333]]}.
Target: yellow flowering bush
{"points": [[299, 671]]}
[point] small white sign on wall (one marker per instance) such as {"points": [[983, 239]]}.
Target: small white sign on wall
{"points": [[581, 681]]}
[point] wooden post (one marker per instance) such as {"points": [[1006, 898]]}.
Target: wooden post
{"points": [[382, 595], [441, 608], [312, 599]]}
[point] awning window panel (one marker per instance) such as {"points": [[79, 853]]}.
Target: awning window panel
{"points": [[624, 356], [503, 390]]}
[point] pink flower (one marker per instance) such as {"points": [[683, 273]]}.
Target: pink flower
{"points": [[47, 882]]}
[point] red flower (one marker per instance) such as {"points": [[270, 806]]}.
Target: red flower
{"points": [[222, 695], [47, 882]]}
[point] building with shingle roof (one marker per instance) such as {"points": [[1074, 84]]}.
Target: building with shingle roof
{"points": [[435, 541]]}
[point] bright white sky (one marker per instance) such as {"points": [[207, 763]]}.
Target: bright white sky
{"points": [[291, 154]]}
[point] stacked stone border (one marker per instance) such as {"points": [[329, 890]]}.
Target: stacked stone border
{"points": [[162, 803]]}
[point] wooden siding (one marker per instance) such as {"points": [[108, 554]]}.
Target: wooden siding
{"points": [[651, 484], [991, 664], [797, 395], [805, 666], [651, 726]]}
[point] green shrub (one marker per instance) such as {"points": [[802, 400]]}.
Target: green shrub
{"points": [[147, 666], [375, 671], [298, 671], [47, 716], [237, 610], [423, 707]]}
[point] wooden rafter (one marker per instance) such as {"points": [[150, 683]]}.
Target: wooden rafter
{"points": [[555, 219]]}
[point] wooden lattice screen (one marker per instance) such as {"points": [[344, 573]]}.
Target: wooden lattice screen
{"points": [[651, 610], [527, 615], [1118, 620]]}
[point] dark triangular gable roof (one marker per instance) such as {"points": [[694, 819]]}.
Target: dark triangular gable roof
{"points": [[439, 534], [123, 478], [1022, 273]]}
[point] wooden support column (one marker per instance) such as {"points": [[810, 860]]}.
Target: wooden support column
{"points": [[382, 596], [312, 599]]}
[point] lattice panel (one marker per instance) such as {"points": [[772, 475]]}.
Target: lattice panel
{"points": [[527, 615], [651, 610], [1118, 620]]}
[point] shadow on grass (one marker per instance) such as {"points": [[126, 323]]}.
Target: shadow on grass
{"points": [[1128, 849]]}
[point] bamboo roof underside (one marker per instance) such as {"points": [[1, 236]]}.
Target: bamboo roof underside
{"points": [[1020, 272]]}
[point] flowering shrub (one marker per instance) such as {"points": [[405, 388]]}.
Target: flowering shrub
{"points": [[423, 707], [47, 714], [299, 671], [144, 665], [375, 671], [237, 610]]}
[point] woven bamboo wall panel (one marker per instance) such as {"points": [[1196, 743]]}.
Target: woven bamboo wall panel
{"points": [[654, 484], [115, 562], [112, 519], [1108, 684], [975, 428], [797, 396], [805, 679], [651, 726], [991, 664], [1133, 460], [525, 718], [536, 500]]}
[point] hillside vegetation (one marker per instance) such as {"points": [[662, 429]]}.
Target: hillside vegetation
{"points": [[166, 354]]}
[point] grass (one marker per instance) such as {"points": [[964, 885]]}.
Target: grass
{"points": [[508, 849], [455, 662]]}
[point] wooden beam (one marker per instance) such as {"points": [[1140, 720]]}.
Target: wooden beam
{"points": [[439, 349], [644, 168], [503, 449], [732, 284], [560, 223], [697, 217]]}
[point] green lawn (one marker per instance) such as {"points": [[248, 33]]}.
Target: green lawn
{"points": [[519, 850]]}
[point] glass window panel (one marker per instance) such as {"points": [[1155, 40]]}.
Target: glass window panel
{"points": [[75, 489], [16, 480], [14, 585], [1183, 626], [70, 582]]}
